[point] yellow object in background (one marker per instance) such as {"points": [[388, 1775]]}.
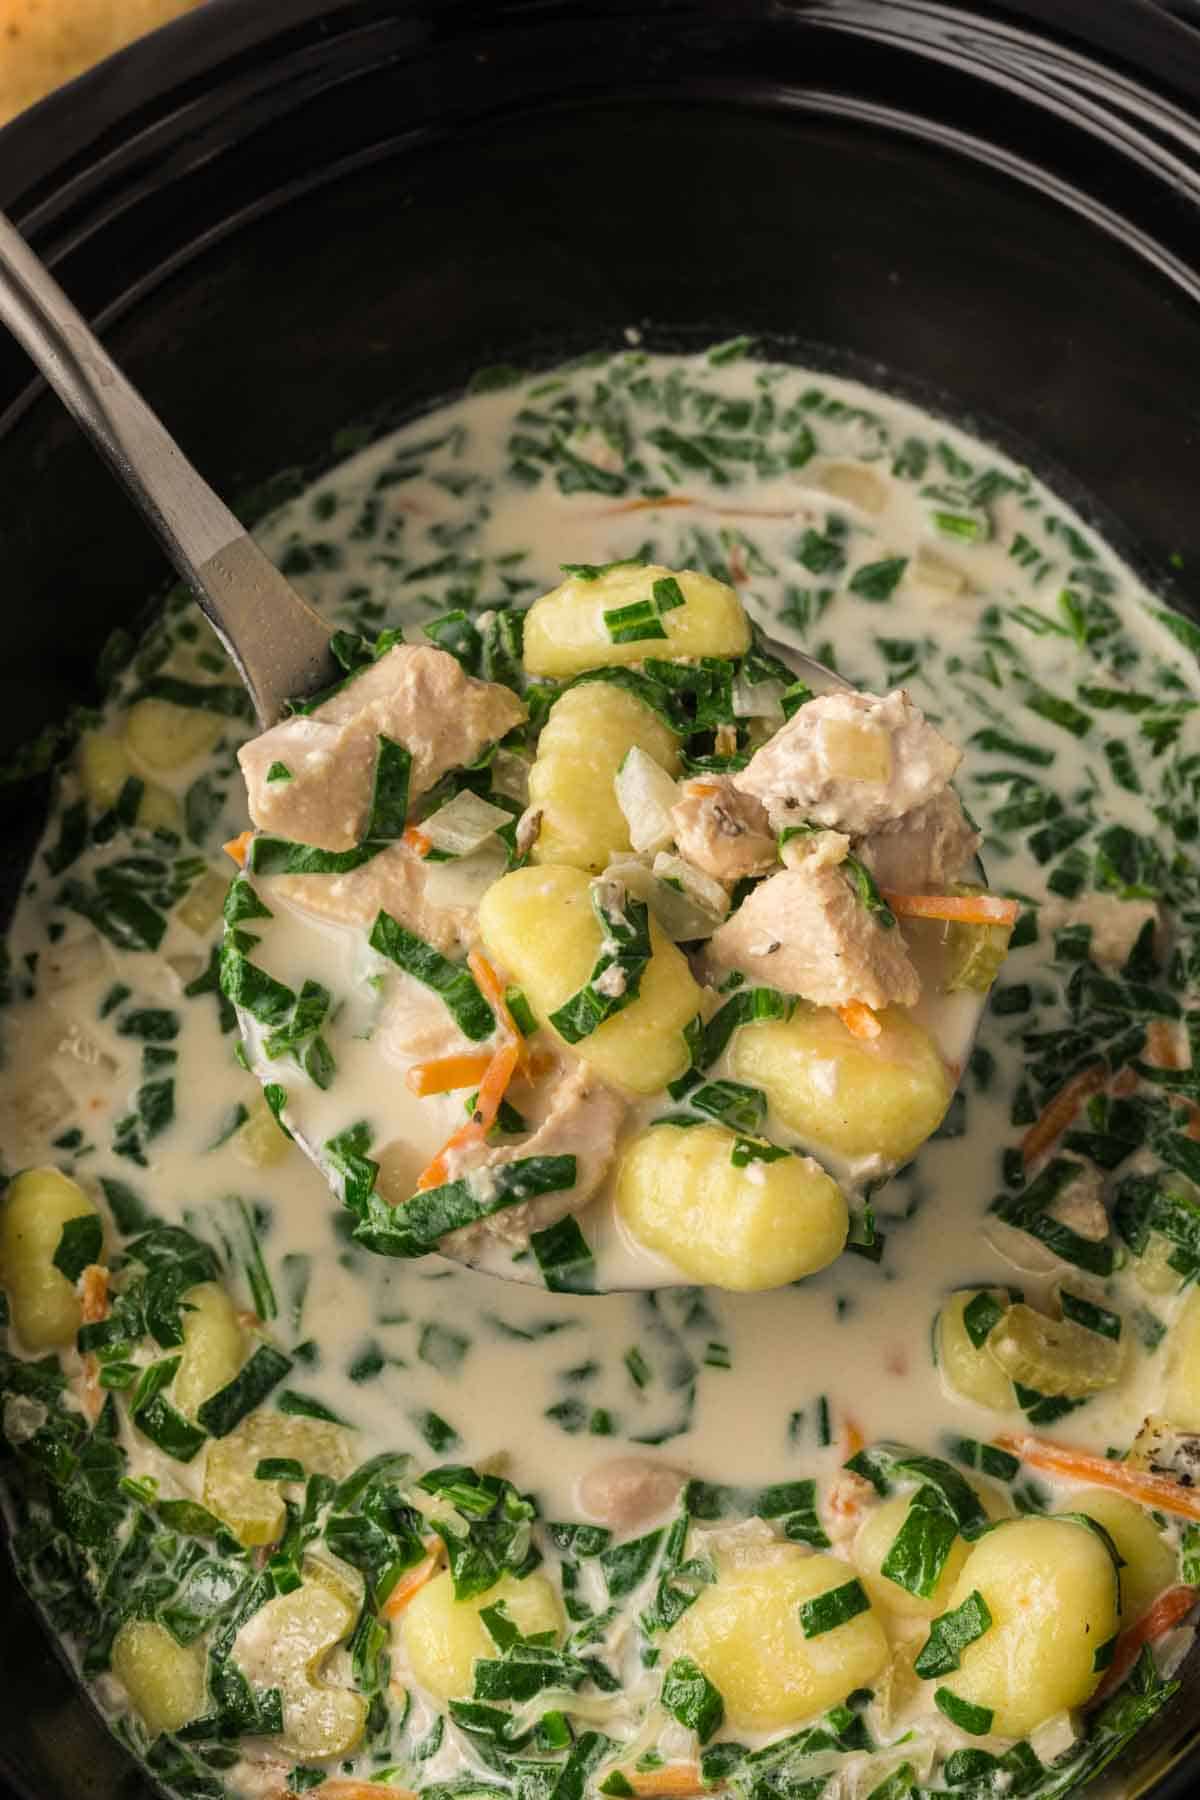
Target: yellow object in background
{"points": [[46, 42]]}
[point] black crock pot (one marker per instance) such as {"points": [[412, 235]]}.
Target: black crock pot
{"points": [[290, 217]]}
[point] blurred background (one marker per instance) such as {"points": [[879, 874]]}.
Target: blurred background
{"points": [[45, 42]]}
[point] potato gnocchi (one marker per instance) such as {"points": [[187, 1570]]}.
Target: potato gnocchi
{"points": [[44, 1302], [720, 1217], [572, 779], [747, 1632], [1050, 1587], [570, 630], [444, 1637], [541, 926]]}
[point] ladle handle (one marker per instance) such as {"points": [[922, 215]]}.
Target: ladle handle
{"points": [[278, 643]]}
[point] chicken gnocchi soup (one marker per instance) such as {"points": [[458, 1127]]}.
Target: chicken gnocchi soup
{"points": [[618, 886], [561, 932]]}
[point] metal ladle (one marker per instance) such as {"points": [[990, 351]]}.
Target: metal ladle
{"points": [[279, 645]]}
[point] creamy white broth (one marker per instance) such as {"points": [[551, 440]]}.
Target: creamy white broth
{"points": [[450, 1364]]}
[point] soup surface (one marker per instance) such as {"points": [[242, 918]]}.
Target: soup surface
{"points": [[312, 1515]]}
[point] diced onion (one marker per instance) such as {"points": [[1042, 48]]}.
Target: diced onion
{"points": [[464, 880], [510, 776], [1054, 1737], [703, 889], [201, 908], [1017, 1247], [680, 915], [646, 794], [862, 487], [1152, 1269], [933, 571], [758, 699], [463, 824]]}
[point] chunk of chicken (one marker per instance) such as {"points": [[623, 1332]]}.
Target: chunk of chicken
{"points": [[416, 695], [923, 851], [806, 932], [582, 1120], [628, 1492], [1116, 924], [394, 882], [850, 761], [725, 833], [323, 800]]}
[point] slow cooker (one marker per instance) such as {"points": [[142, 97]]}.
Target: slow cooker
{"points": [[296, 219]]}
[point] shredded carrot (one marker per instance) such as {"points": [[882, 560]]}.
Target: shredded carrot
{"points": [[415, 839], [511, 1055], [442, 1074], [1099, 1471], [435, 1173], [848, 1493], [1163, 1048], [968, 909], [93, 1289], [852, 1440], [858, 1018], [492, 989], [93, 1294], [237, 848], [701, 790], [500, 1072], [1061, 1109], [412, 1581], [492, 1088], [345, 1787], [746, 512], [846, 1501], [705, 506], [628, 506], [1123, 1083], [1169, 1610], [677, 1779]]}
